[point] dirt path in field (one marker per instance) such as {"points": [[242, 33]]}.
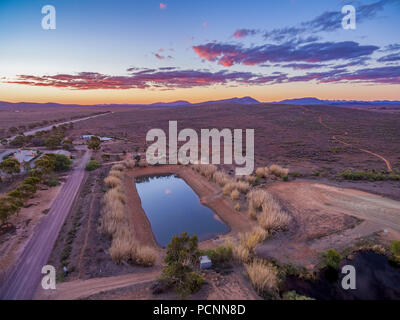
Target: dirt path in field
{"points": [[79, 289], [328, 217], [387, 163]]}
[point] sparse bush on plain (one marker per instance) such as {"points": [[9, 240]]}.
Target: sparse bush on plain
{"points": [[278, 171], [263, 277]]}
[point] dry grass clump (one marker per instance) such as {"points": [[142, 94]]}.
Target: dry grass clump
{"points": [[272, 217], [263, 276], [278, 220], [129, 164], [116, 174], [221, 178], [206, 170], [112, 211], [145, 256], [237, 206], [262, 172], [247, 244], [235, 194], [252, 180], [278, 171], [241, 186], [256, 200], [112, 182]]}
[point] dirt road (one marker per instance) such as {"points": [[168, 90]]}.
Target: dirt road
{"points": [[388, 165], [31, 132], [22, 281], [79, 289], [323, 218]]}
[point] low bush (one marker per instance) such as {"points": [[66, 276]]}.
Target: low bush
{"points": [[332, 259], [368, 175], [92, 165], [220, 255], [395, 248]]}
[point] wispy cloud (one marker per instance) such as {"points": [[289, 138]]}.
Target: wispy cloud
{"points": [[231, 54], [243, 33], [326, 22]]}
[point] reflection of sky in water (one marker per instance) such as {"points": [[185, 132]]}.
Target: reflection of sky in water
{"points": [[172, 207]]}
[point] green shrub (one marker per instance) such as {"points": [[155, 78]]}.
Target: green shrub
{"points": [[182, 258], [395, 248], [92, 165], [293, 295], [220, 255], [332, 259], [53, 183]]}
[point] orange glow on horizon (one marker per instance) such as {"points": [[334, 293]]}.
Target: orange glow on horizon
{"points": [[20, 93]]}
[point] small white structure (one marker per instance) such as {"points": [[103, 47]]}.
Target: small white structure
{"points": [[205, 262], [102, 139]]}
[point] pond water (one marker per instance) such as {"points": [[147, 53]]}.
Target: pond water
{"points": [[172, 208]]}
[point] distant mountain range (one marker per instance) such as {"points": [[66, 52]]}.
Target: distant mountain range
{"points": [[243, 101], [315, 101]]}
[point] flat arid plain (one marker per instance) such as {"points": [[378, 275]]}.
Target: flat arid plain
{"points": [[325, 192]]}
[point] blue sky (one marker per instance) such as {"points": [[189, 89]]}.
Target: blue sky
{"points": [[103, 39]]}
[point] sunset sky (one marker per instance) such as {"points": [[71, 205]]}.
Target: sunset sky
{"points": [[145, 51]]}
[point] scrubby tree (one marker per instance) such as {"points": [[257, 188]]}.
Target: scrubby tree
{"points": [[8, 207], [53, 162], [94, 143], [10, 166], [53, 141], [182, 259]]}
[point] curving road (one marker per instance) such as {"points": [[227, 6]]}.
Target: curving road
{"points": [[22, 281]]}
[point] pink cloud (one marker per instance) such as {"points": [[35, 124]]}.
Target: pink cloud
{"points": [[163, 6]]}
